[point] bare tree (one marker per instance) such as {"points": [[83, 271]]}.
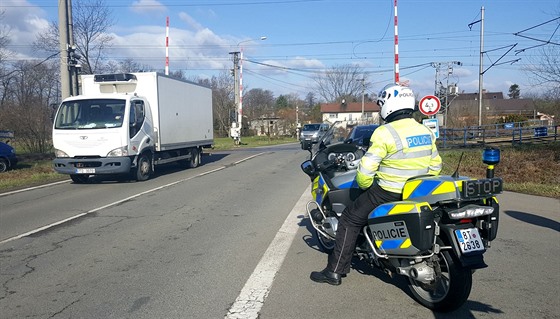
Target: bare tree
{"points": [[127, 65], [26, 107], [258, 103], [341, 82], [223, 104], [545, 70], [4, 54], [91, 21], [4, 40]]}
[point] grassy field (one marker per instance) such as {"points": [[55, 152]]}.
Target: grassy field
{"points": [[529, 169]]}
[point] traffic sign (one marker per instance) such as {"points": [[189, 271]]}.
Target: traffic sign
{"points": [[429, 105], [432, 124]]}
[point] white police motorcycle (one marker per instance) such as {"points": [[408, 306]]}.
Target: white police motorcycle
{"points": [[436, 236]]}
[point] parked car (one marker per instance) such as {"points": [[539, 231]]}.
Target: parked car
{"points": [[361, 134], [8, 158]]}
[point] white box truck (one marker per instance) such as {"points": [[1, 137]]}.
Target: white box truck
{"points": [[130, 123]]}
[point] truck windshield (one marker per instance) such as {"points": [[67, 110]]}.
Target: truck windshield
{"points": [[90, 114]]}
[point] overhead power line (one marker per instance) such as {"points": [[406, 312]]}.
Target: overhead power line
{"points": [[544, 42]]}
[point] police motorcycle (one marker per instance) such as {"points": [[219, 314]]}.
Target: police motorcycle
{"points": [[436, 236]]}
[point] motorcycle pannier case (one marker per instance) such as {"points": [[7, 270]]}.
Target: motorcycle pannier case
{"points": [[403, 228]]}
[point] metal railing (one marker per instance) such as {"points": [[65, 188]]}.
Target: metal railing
{"points": [[504, 133]]}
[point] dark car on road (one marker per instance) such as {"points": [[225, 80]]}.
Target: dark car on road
{"points": [[8, 159], [361, 134]]}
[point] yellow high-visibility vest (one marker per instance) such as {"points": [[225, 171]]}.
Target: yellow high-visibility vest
{"points": [[399, 150]]}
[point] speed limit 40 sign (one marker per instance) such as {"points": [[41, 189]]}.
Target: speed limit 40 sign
{"points": [[429, 105]]}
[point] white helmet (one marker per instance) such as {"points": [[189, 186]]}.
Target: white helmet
{"points": [[394, 97]]}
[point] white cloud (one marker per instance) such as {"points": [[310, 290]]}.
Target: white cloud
{"points": [[190, 21], [462, 72], [294, 65], [200, 49], [22, 21], [147, 6]]}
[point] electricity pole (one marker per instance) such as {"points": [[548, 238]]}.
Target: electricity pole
{"points": [[69, 67], [64, 40], [480, 67], [235, 131], [481, 73], [363, 96], [438, 89]]}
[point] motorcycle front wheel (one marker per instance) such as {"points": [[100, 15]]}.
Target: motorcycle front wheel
{"points": [[452, 287]]}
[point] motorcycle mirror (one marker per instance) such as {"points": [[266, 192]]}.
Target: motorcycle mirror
{"points": [[307, 168]]}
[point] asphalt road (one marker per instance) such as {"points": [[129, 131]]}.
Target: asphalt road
{"points": [[230, 235]]}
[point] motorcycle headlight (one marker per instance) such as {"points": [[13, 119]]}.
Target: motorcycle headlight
{"points": [[59, 153], [471, 211], [118, 152]]}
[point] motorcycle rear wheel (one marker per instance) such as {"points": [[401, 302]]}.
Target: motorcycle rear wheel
{"points": [[452, 289]]}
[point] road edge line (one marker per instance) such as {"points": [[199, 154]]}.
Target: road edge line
{"points": [[251, 298]]}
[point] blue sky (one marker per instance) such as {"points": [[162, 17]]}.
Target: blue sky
{"points": [[305, 37]]}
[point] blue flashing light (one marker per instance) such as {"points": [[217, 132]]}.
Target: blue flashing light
{"points": [[491, 156]]}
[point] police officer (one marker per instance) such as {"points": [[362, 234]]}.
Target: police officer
{"points": [[400, 149]]}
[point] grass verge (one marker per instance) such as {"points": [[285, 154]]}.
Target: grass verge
{"points": [[529, 169]]}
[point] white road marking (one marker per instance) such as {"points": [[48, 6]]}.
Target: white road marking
{"points": [[111, 204], [256, 289], [32, 188]]}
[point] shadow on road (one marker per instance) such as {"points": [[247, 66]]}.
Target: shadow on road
{"points": [[534, 219]]}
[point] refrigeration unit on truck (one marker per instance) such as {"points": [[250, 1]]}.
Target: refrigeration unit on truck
{"points": [[130, 123]]}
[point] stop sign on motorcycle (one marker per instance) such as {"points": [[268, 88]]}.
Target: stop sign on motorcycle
{"points": [[429, 105]]}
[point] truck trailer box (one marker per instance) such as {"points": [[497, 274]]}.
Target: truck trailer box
{"points": [[181, 116]]}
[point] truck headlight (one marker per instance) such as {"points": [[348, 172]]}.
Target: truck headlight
{"points": [[59, 153], [471, 211], [118, 152]]}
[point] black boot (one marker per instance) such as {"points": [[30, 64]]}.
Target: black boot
{"points": [[327, 276]]}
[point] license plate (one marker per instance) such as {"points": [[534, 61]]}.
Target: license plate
{"points": [[482, 187], [85, 170], [469, 240]]}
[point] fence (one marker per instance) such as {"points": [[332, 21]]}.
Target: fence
{"points": [[505, 133]]}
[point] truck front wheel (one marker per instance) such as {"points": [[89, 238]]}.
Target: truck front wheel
{"points": [[143, 168]]}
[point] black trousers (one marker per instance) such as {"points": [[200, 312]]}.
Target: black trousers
{"points": [[352, 220]]}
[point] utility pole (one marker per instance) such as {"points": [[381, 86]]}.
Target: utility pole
{"points": [[438, 88], [69, 67], [64, 40], [235, 131], [363, 97], [480, 69]]}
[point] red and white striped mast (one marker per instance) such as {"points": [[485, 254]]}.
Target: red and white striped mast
{"points": [[397, 80], [167, 47]]}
